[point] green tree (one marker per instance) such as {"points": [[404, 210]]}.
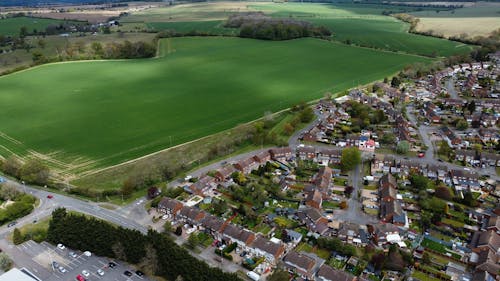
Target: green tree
{"points": [[351, 157], [307, 115], [41, 43], [17, 238], [23, 31], [462, 125], [34, 171], [192, 241], [395, 82], [288, 129], [5, 262], [403, 147]]}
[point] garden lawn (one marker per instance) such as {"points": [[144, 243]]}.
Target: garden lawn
{"points": [[85, 115]]}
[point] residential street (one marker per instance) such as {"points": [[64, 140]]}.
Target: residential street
{"points": [[424, 132]]}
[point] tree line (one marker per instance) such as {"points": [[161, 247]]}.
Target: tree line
{"points": [[31, 171], [276, 29], [156, 253]]}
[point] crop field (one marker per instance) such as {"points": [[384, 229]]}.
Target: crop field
{"points": [[481, 18], [362, 25], [12, 26], [116, 111]]}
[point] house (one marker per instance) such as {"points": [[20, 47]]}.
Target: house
{"points": [[265, 248], [314, 199], [383, 233], [391, 211], [313, 220], [467, 156], [388, 181], [306, 153], [450, 137], [484, 240], [329, 156], [247, 165], [191, 215], [327, 273], [492, 223], [490, 159], [486, 261], [281, 154], [169, 206], [224, 173], [203, 184], [324, 178], [213, 226], [463, 180], [238, 235], [262, 157], [300, 264]]}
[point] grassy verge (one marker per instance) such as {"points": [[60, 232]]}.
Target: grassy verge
{"points": [[36, 232]]}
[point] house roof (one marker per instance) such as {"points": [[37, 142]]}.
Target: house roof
{"points": [[192, 213], [169, 204], [299, 261], [328, 273], [226, 171], [237, 233], [324, 177], [212, 222], [267, 246]]}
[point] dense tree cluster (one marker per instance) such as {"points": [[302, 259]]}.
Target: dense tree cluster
{"points": [[32, 171], [259, 26], [351, 157], [155, 253], [22, 203]]}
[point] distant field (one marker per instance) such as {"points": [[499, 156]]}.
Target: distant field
{"points": [[360, 24], [119, 110], [12, 26], [479, 19]]}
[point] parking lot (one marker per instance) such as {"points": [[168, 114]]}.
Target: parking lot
{"points": [[47, 255]]}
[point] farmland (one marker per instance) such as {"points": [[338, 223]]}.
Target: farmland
{"points": [[479, 19], [362, 25], [199, 87], [11, 26]]}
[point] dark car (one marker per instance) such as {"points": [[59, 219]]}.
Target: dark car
{"points": [[244, 253], [12, 224], [111, 264], [139, 273], [127, 273]]}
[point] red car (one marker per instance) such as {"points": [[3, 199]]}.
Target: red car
{"points": [[80, 278], [421, 155], [50, 196]]}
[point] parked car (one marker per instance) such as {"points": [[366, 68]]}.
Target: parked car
{"points": [[50, 196], [85, 273], [12, 223], [73, 254], [111, 264], [421, 155], [62, 269], [61, 246], [139, 273], [55, 265], [127, 273], [100, 272], [87, 253], [80, 278]]}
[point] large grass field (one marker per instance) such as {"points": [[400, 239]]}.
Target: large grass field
{"points": [[12, 26], [359, 24], [480, 18], [86, 115]]}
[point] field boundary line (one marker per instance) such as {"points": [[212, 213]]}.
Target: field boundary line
{"points": [[9, 138]]}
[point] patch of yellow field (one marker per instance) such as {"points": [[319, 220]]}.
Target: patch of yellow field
{"points": [[472, 26]]}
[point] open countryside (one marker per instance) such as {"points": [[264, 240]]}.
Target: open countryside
{"points": [[200, 86], [362, 25]]}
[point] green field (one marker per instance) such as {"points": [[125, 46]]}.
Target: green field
{"points": [[479, 18], [362, 25], [12, 26], [85, 115]]}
